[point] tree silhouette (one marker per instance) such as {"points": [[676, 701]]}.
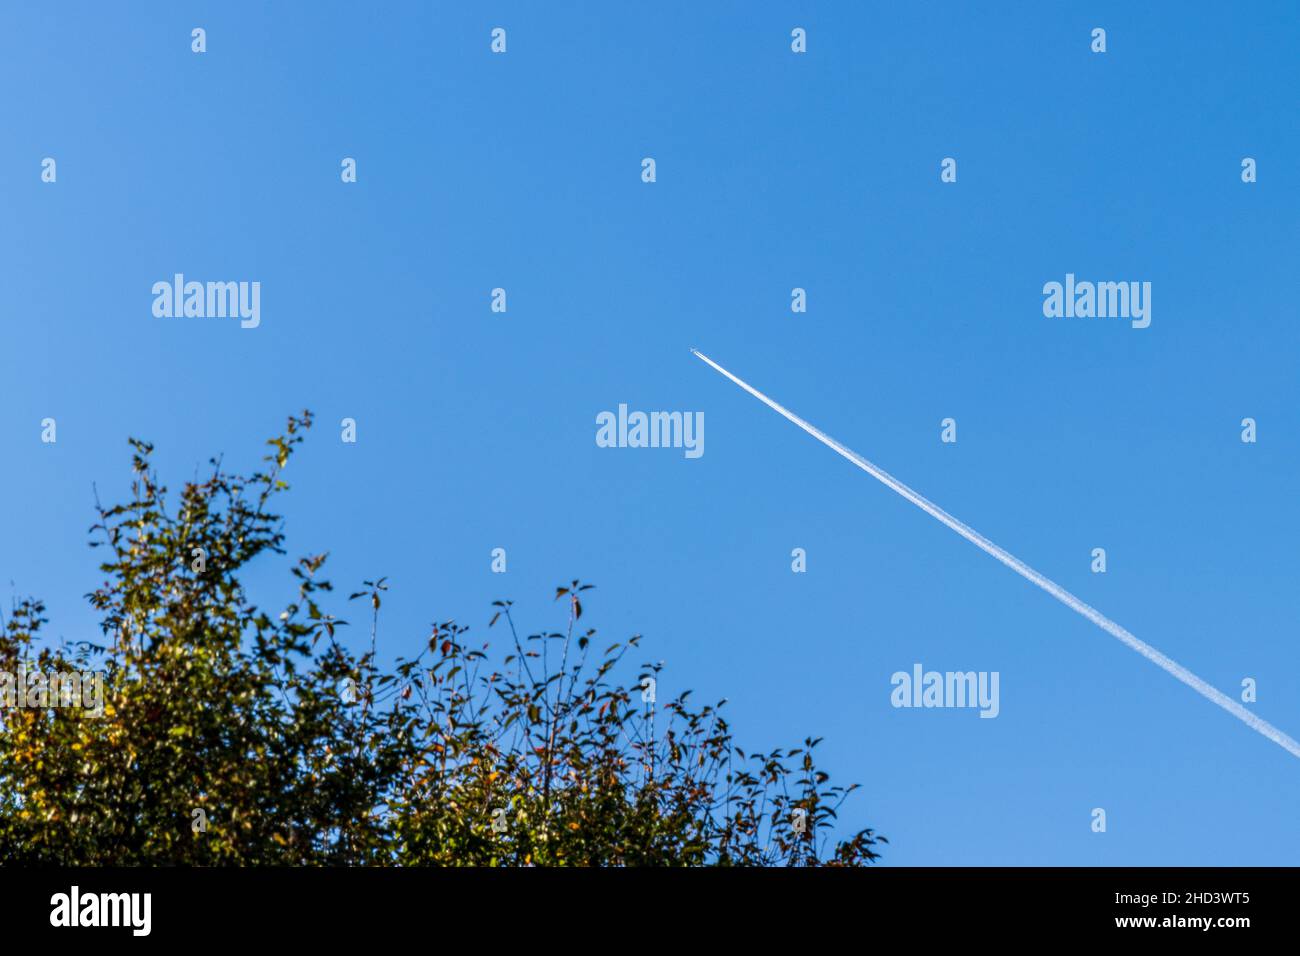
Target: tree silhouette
{"points": [[230, 735]]}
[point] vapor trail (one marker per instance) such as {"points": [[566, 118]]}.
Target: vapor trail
{"points": [[1025, 571]]}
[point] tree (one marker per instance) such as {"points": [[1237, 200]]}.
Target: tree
{"points": [[227, 735]]}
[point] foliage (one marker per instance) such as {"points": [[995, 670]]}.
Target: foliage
{"points": [[230, 736]]}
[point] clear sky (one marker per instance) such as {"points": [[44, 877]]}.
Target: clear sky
{"points": [[775, 170]]}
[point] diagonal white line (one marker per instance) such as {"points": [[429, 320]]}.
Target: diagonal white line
{"points": [[1025, 571]]}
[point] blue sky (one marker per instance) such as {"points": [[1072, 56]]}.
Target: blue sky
{"points": [[774, 171]]}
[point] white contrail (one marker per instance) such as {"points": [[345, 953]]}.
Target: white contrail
{"points": [[1025, 571]]}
